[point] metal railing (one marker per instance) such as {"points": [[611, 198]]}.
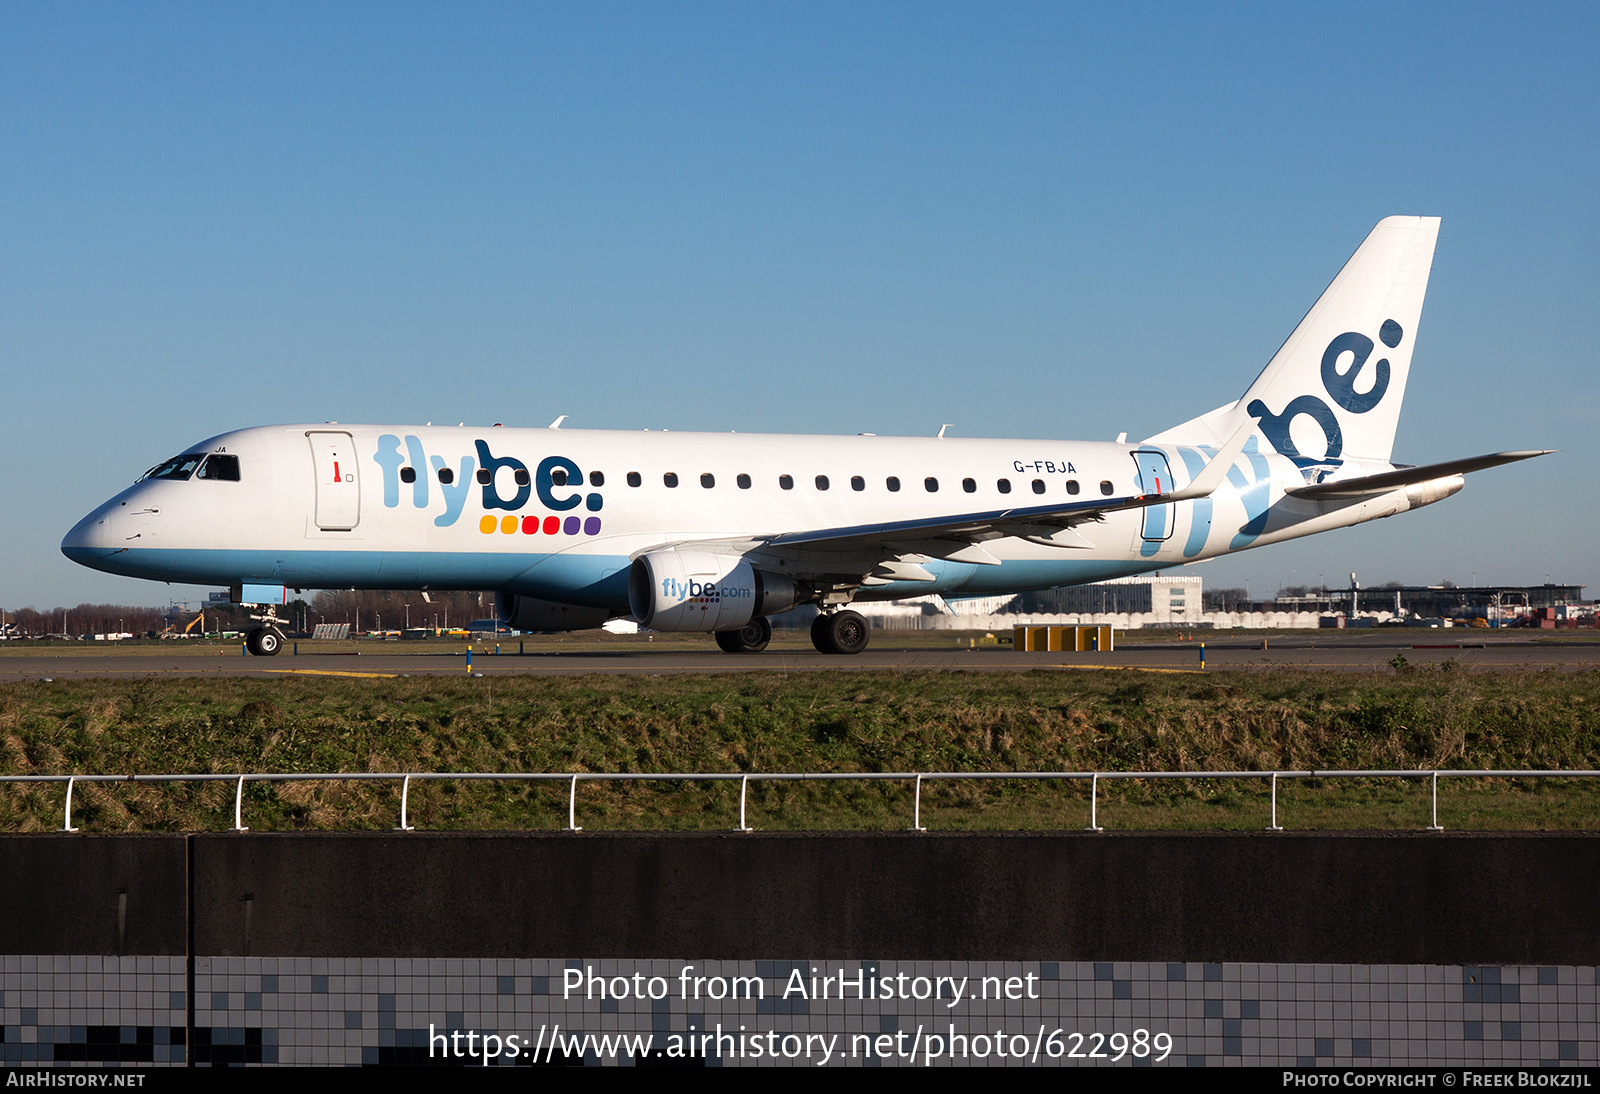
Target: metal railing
{"points": [[916, 778]]}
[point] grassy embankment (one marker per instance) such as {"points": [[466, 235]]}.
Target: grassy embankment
{"points": [[832, 721]]}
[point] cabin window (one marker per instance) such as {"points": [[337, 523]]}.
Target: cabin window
{"points": [[786, 481], [1072, 486], [1003, 485], [708, 480], [558, 477], [857, 482], [1038, 486], [671, 479], [892, 483], [485, 476], [521, 476], [822, 482], [969, 485], [1105, 487], [931, 485], [743, 481], [446, 476], [634, 478], [596, 479], [179, 467], [220, 469]]}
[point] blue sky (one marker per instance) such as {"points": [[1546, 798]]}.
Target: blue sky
{"points": [[1029, 220]]}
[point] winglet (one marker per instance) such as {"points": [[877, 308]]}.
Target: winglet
{"points": [[1212, 474]]}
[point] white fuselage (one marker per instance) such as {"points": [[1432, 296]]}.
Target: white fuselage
{"points": [[329, 506]]}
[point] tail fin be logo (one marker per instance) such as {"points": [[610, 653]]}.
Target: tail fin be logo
{"points": [[1342, 385], [1276, 429], [1353, 350]]}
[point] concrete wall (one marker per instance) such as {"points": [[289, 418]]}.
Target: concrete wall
{"points": [[93, 894], [1452, 898]]}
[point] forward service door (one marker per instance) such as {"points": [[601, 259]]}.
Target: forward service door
{"points": [[1155, 477]]}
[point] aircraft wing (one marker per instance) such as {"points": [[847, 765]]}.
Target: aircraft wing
{"points": [[1406, 476], [1048, 524], [988, 524]]}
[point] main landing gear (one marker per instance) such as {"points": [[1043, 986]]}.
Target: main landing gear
{"points": [[832, 632], [750, 638], [840, 632]]}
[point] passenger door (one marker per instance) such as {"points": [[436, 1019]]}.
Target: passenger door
{"points": [[338, 482]]}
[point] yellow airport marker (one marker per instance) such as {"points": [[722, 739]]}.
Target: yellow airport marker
{"points": [[335, 672]]}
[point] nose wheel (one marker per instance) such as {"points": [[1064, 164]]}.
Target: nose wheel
{"points": [[264, 641], [840, 632]]}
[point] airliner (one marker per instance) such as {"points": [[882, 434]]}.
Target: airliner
{"points": [[718, 532]]}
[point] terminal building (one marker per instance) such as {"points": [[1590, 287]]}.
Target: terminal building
{"points": [[1496, 605], [1160, 601], [1127, 603]]}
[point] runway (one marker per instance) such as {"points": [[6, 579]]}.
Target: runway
{"points": [[636, 655]]}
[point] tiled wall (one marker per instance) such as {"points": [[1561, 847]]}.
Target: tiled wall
{"points": [[369, 1011], [92, 1009]]}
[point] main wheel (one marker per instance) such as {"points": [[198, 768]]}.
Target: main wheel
{"points": [[750, 638], [840, 632], [819, 634]]}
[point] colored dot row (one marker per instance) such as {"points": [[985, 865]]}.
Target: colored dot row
{"points": [[531, 525]]}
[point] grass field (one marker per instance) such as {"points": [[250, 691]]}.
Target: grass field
{"points": [[811, 722]]}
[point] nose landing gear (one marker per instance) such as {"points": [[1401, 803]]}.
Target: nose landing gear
{"points": [[264, 641]]}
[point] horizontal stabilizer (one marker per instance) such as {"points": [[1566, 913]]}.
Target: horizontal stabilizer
{"points": [[1405, 476], [1211, 476]]}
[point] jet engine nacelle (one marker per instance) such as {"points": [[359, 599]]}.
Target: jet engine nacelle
{"points": [[527, 613], [701, 591]]}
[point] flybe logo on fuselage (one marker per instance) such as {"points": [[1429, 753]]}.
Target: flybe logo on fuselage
{"points": [[1340, 384], [557, 482]]}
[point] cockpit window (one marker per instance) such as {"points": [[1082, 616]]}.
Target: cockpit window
{"points": [[220, 468], [179, 467]]}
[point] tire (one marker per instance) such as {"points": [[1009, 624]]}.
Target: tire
{"points": [[750, 638], [849, 632], [268, 642], [819, 635], [252, 641], [843, 632]]}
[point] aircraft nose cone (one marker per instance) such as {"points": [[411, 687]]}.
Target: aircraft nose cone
{"points": [[91, 538]]}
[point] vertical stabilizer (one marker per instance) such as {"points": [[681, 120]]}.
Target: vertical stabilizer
{"points": [[1333, 390]]}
